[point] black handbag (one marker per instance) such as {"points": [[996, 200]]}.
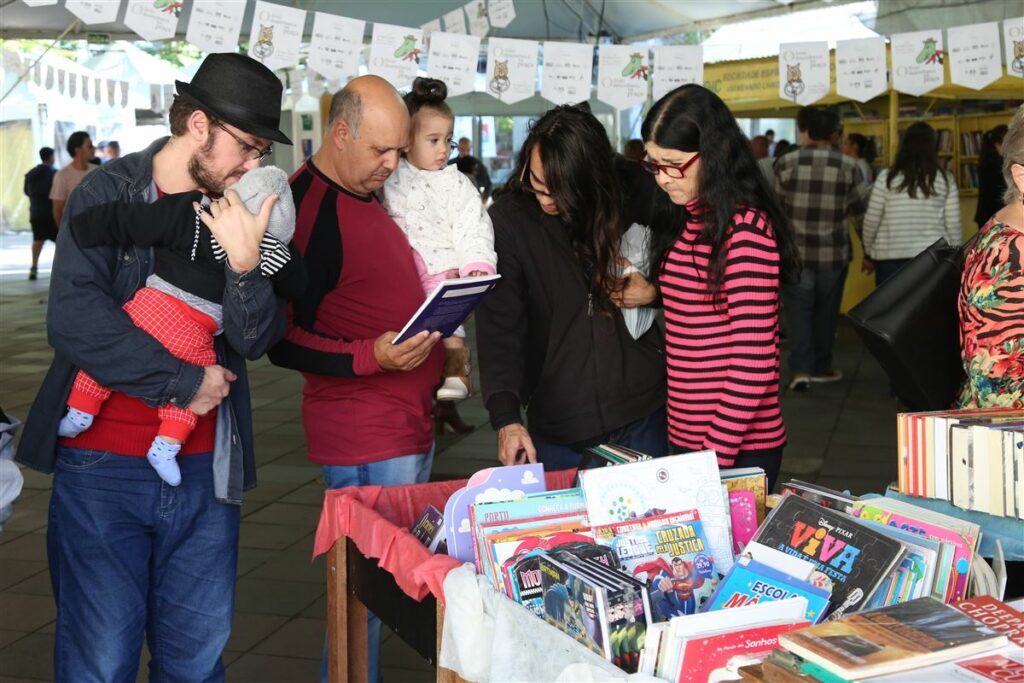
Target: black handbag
{"points": [[911, 325]]}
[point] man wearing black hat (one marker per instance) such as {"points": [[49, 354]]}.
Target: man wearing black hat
{"points": [[129, 554]]}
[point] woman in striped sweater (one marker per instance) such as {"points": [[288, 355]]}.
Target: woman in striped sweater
{"points": [[721, 244], [912, 205]]}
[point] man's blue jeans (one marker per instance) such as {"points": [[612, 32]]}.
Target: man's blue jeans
{"points": [[647, 435], [405, 469], [132, 557], [812, 315]]}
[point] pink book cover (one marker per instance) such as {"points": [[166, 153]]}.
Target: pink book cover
{"points": [[964, 544], [701, 656], [743, 513]]}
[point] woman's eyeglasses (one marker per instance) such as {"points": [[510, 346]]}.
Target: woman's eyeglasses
{"points": [[670, 171], [524, 180], [248, 151]]}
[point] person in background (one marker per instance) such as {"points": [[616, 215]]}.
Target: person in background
{"points": [[770, 134], [467, 163], [112, 150], [759, 146], [912, 204], [991, 301], [720, 246], [82, 152], [780, 148], [861, 149], [634, 150], [820, 189], [991, 185], [38, 183], [549, 336]]}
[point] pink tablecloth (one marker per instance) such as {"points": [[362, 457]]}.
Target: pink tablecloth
{"points": [[378, 518]]}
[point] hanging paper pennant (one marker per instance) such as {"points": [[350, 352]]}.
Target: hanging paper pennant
{"points": [[511, 69], [974, 59], [276, 34], [453, 58], [917, 59], [568, 69], [37, 74], [153, 20], [803, 72], [622, 75], [476, 11], [94, 11], [85, 88], [72, 84], [49, 78], [395, 53], [501, 12], [860, 68], [429, 28], [40, 3], [61, 77], [676, 65], [112, 91], [124, 93], [97, 97], [455, 21], [336, 45], [156, 97], [214, 25], [1013, 40]]}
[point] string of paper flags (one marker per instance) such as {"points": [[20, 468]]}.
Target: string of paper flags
{"points": [[449, 47]]}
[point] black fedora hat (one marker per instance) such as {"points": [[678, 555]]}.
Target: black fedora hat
{"points": [[240, 91]]}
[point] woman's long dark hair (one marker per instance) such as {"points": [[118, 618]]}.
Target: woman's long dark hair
{"points": [[691, 118], [917, 161], [579, 172]]}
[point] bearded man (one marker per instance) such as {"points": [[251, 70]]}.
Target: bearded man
{"points": [[130, 556]]}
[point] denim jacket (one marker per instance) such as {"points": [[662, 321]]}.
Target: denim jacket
{"points": [[87, 329]]}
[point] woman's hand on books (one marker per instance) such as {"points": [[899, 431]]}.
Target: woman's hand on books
{"points": [[634, 291], [515, 447], [405, 356], [237, 230]]}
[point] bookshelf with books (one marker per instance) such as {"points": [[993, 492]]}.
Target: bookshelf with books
{"points": [[971, 129]]}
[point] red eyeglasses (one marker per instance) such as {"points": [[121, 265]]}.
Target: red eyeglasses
{"points": [[670, 171]]}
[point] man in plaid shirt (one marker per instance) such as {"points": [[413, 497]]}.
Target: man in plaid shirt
{"points": [[820, 188]]}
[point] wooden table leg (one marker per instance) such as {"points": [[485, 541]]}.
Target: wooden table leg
{"points": [[346, 622]]}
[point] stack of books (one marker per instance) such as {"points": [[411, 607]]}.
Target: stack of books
{"points": [[972, 458]]}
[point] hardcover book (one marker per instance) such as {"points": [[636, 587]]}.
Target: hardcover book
{"points": [[448, 306], [855, 557], [655, 487], [892, 639]]}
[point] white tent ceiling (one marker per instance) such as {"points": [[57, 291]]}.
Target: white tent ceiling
{"points": [[577, 20]]}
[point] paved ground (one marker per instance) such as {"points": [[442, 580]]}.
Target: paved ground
{"points": [[840, 435]]}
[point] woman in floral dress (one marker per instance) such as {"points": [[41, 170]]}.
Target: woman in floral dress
{"points": [[991, 301]]}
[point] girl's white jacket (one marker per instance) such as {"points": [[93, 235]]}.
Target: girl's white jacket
{"points": [[443, 217]]}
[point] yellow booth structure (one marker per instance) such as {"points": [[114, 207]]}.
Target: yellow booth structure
{"points": [[959, 115]]}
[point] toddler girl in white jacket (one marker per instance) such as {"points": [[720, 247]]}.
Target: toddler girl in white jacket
{"points": [[441, 213]]}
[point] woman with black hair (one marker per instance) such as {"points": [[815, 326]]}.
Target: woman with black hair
{"points": [[548, 336], [720, 245], [912, 205], [861, 149], [991, 185]]}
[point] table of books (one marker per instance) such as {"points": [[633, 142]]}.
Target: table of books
{"points": [[374, 562]]}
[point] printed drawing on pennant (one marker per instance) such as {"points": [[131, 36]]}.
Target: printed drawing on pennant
{"points": [[500, 81], [794, 82], [264, 46], [636, 67]]}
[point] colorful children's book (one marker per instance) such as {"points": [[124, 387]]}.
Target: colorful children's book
{"points": [[964, 535], [575, 604], [491, 484], [749, 582], [885, 641], [855, 557], [655, 487], [742, 518], [752, 479], [670, 555]]}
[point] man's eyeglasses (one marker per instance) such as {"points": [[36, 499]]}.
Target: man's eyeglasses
{"points": [[670, 171], [524, 180], [250, 152]]}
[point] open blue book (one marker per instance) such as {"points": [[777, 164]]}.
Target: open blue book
{"points": [[448, 306]]}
